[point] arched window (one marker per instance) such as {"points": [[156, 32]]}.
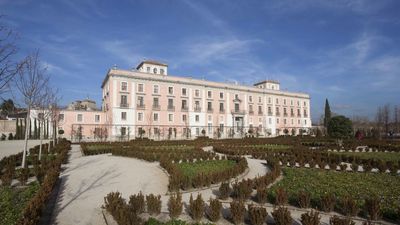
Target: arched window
{"points": [[155, 70]]}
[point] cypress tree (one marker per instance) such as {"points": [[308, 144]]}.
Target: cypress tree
{"points": [[30, 129], [327, 113]]}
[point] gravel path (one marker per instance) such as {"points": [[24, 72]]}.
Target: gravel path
{"points": [[87, 180], [13, 147]]}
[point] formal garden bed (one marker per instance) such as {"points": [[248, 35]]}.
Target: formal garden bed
{"points": [[25, 191]]}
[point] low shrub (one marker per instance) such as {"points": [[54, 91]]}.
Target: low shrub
{"points": [[328, 202], [196, 207], [281, 197], [349, 206], [137, 203], [237, 211], [175, 205], [257, 215], [153, 204], [9, 172], [23, 175], [224, 190], [214, 210], [335, 220], [282, 216], [304, 199], [261, 196], [242, 190], [372, 207], [310, 218]]}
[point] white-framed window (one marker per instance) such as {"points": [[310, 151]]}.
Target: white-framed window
{"points": [[123, 131], [209, 128], [277, 120], [140, 88], [61, 117], [170, 117], [156, 89], [197, 131], [124, 86], [123, 115], [269, 120], [209, 94], [269, 100], [291, 102], [197, 118], [96, 118], [140, 116], [197, 93], [305, 122], [221, 95], [148, 69], [184, 91], [259, 99], [79, 117], [162, 71], [305, 103], [209, 118], [155, 70], [284, 101], [277, 101], [171, 90], [284, 121], [298, 103], [184, 118], [155, 117], [250, 98]]}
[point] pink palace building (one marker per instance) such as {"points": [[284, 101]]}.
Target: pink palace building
{"points": [[147, 102]]}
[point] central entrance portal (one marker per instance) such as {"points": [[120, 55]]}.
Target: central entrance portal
{"points": [[239, 123]]}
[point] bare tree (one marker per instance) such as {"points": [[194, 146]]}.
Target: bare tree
{"points": [[396, 119], [8, 67], [47, 100], [31, 82], [386, 118], [54, 109]]}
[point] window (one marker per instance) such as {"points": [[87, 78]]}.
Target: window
{"points": [[210, 128], [155, 70], [197, 131], [124, 101], [259, 109], [171, 90], [140, 116], [269, 120], [184, 104], [269, 100], [298, 103], [209, 106], [148, 69], [250, 98], [141, 88], [251, 108], [291, 102], [140, 101], [197, 93], [162, 71], [284, 101], [61, 118], [277, 111], [305, 122], [123, 115], [277, 120], [170, 103], [259, 99], [221, 107], [221, 95], [123, 131], [197, 118], [155, 117], [184, 91], [221, 127], [305, 104], [209, 94], [236, 96], [284, 121], [79, 118], [197, 105], [124, 86], [155, 102], [155, 89], [96, 118], [236, 107], [277, 101], [184, 118], [170, 117]]}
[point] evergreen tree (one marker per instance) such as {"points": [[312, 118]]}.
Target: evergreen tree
{"points": [[327, 113], [30, 129]]}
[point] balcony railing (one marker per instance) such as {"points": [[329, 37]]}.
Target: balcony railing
{"points": [[221, 110], [269, 113], [251, 112], [237, 111], [140, 106], [197, 108], [260, 113], [124, 105], [292, 114], [184, 109], [210, 110], [156, 107], [171, 108], [285, 114]]}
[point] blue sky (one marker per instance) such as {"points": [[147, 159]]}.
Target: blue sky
{"points": [[343, 50]]}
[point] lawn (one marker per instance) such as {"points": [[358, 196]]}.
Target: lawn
{"points": [[13, 201], [385, 156], [192, 169], [358, 185]]}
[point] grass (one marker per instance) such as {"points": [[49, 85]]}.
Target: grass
{"points": [[13, 201], [385, 156], [358, 185], [192, 169]]}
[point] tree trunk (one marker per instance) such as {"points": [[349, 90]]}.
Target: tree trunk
{"points": [[28, 119], [41, 131]]}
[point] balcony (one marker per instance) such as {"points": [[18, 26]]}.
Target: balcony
{"points": [[260, 113], [156, 107], [305, 115], [278, 114], [238, 111], [251, 112], [285, 114], [299, 115], [171, 108], [269, 113], [140, 106], [184, 109], [197, 109], [124, 105], [210, 110]]}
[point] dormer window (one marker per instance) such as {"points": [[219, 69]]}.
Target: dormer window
{"points": [[155, 70], [162, 71], [148, 69]]}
